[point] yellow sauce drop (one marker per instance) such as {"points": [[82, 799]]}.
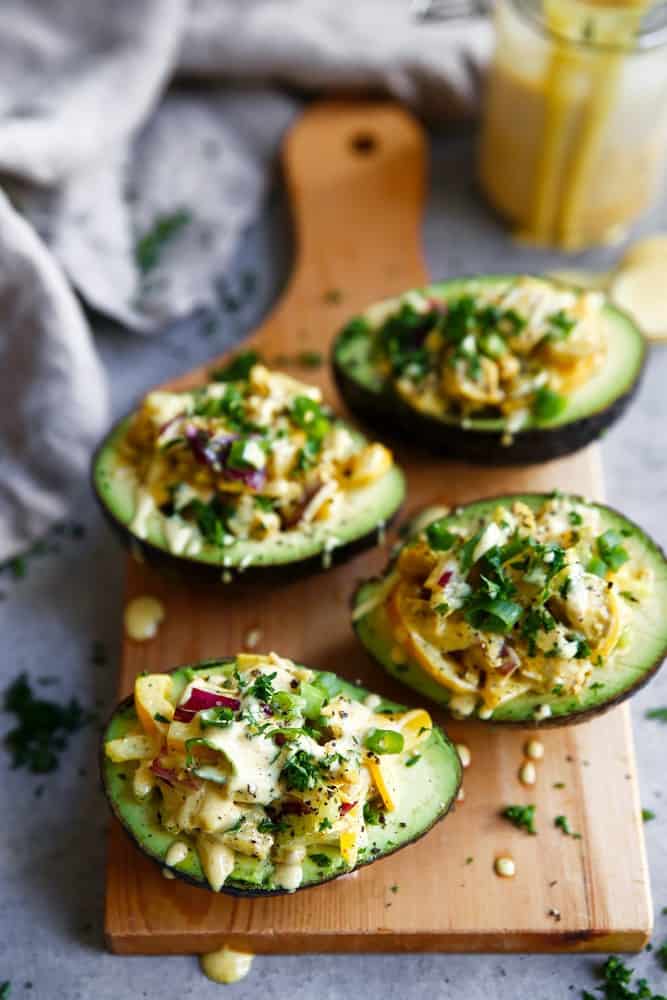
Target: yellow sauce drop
{"points": [[226, 966], [142, 618]]}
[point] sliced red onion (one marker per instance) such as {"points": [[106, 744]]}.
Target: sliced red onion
{"points": [[295, 807], [168, 775], [445, 577], [208, 450], [291, 519], [254, 479], [200, 699], [509, 659]]}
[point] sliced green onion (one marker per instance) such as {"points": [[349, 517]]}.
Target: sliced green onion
{"points": [[492, 344], [439, 537], [219, 717], [610, 548], [597, 566], [548, 404], [313, 699], [287, 703], [383, 741]]}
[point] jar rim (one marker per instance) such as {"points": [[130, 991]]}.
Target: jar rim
{"points": [[652, 31]]}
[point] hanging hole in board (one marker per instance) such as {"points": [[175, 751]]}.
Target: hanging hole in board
{"points": [[363, 143]]}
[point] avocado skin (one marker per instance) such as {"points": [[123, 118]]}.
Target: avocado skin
{"points": [[529, 723], [387, 410], [231, 890], [180, 567]]}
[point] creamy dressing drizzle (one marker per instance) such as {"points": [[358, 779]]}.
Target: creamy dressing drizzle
{"points": [[226, 966], [142, 618]]}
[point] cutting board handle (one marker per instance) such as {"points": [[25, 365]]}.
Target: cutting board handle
{"points": [[356, 177]]}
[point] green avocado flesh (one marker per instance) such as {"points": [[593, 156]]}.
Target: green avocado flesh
{"points": [[425, 796], [365, 510], [620, 370], [625, 670]]}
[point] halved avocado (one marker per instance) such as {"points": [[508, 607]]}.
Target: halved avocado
{"points": [[590, 409], [364, 514], [426, 796], [624, 672]]}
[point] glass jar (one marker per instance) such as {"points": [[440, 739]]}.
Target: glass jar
{"points": [[574, 135]]}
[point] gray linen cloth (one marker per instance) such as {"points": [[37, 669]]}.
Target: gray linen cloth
{"points": [[106, 132]]}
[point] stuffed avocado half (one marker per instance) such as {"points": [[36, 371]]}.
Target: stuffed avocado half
{"points": [[254, 775], [249, 474], [497, 369], [532, 609]]}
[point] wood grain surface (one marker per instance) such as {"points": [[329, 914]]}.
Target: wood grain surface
{"points": [[356, 179]]}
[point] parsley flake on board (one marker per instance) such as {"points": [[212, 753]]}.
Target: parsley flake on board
{"points": [[660, 714], [563, 823], [43, 727], [149, 247], [522, 817]]}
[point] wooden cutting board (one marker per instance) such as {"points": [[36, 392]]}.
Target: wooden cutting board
{"points": [[356, 179]]}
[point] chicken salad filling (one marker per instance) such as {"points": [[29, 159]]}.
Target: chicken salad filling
{"points": [[520, 601], [266, 760], [513, 350], [254, 455]]}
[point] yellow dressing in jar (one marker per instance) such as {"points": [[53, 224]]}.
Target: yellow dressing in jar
{"points": [[575, 126]]}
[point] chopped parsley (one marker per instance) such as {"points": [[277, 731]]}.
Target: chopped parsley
{"points": [[575, 518], [560, 325], [262, 687], [235, 827], [211, 519], [310, 359], [661, 954], [647, 815], [657, 713], [5, 990], [269, 825], [302, 772], [238, 369], [563, 823], [325, 824], [321, 860], [44, 727], [372, 815], [523, 817], [616, 985], [149, 247]]}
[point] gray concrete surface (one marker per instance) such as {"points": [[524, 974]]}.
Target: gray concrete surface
{"points": [[52, 843]]}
